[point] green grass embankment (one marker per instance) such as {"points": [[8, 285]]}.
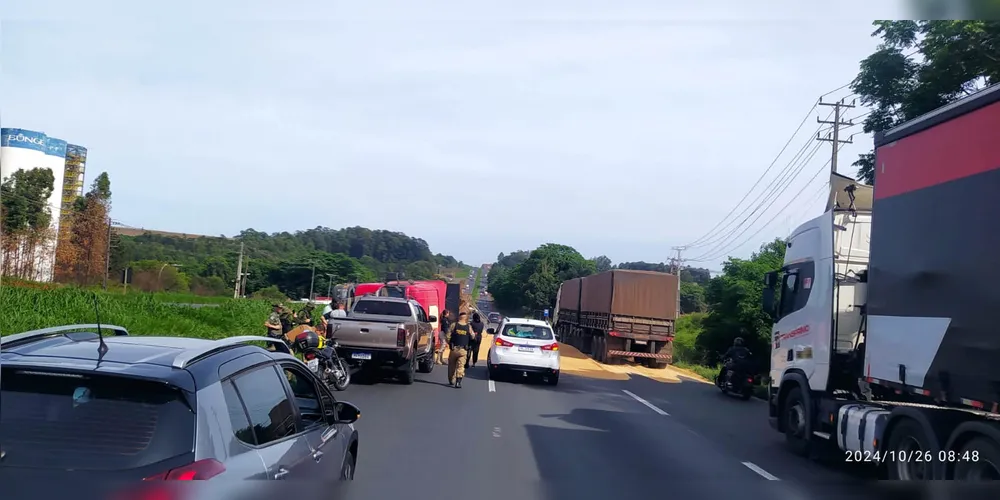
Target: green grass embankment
{"points": [[475, 286], [141, 313]]}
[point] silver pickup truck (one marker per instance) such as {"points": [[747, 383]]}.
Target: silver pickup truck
{"points": [[386, 332]]}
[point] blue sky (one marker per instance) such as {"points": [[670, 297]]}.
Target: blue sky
{"points": [[620, 128]]}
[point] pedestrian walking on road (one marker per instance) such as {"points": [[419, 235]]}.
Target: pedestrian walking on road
{"points": [[459, 339], [477, 339], [441, 342]]}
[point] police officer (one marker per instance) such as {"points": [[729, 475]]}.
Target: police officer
{"points": [[273, 323], [459, 339], [446, 325], [286, 318], [304, 316]]}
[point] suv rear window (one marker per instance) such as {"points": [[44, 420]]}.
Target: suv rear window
{"points": [[90, 422], [382, 307], [531, 332]]}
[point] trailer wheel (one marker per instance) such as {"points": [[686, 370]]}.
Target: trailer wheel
{"points": [[601, 349], [795, 416], [907, 440], [978, 460]]}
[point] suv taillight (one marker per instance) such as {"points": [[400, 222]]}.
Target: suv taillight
{"points": [[502, 343], [202, 469], [551, 347], [400, 337]]}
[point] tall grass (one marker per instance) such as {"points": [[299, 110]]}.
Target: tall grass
{"points": [[26, 309]]}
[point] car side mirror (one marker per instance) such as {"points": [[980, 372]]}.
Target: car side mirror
{"points": [[344, 413], [491, 331], [431, 319]]}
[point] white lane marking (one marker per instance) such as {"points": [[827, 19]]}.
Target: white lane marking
{"points": [[493, 386], [496, 432], [649, 405], [761, 472]]}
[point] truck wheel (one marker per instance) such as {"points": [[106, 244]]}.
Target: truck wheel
{"points": [[978, 460], [908, 439], [795, 417], [426, 364], [409, 372]]}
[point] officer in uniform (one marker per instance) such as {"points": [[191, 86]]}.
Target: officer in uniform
{"points": [[273, 323], [304, 316], [286, 318], [459, 339]]}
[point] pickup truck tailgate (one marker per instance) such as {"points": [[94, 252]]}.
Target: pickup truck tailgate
{"points": [[367, 334]]}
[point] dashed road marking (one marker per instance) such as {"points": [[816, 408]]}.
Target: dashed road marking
{"points": [[496, 432], [493, 386], [761, 472], [649, 405]]}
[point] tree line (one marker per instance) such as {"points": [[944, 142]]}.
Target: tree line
{"points": [[88, 248], [279, 264]]}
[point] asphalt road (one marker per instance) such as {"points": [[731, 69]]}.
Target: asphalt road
{"points": [[583, 439]]}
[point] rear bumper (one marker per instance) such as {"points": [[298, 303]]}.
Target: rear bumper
{"points": [[520, 362], [388, 357], [538, 370]]}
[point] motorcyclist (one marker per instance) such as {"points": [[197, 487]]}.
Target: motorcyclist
{"points": [[737, 353]]}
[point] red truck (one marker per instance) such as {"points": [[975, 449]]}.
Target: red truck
{"points": [[620, 314], [430, 294]]}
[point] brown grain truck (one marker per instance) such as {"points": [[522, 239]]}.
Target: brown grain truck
{"points": [[620, 314]]}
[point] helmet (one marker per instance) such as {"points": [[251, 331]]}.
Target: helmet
{"points": [[306, 340], [738, 341]]}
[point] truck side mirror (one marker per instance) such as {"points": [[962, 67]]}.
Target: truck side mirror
{"points": [[767, 299]]}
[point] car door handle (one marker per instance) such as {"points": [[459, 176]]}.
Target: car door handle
{"points": [[282, 472], [317, 455]]}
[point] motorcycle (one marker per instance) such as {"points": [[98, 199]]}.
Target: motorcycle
{"points": [[327, 364], [734, 381]]}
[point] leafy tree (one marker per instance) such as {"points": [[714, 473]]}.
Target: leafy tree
{"points": [[958, 58], [83, 254], [532, 284], [25, 220], [734, 300], [602, 263], [692, 298]]}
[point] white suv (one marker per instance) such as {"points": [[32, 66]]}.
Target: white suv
{"points": [[524, 346]]}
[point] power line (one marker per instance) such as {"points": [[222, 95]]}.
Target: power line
{"points": [[835, 136], [707, 257], [775, 161], [773, 197], [768, 191], [719, 227], [768, 223]]}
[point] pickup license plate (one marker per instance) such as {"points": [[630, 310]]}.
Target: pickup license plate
{"points": [[525, 349], [313, 365], [361, 355]]}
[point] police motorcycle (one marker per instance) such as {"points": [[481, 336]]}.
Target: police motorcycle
{"points": [[735, 379], [320, 355]]}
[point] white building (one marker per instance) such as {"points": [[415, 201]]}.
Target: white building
{"points": [[24, 150]]}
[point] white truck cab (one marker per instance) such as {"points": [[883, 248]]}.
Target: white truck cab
{"points": [[819, 299]]}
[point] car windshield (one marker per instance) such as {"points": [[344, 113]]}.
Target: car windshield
{"points": [[531, 332], [90, 422], [382, 308]]}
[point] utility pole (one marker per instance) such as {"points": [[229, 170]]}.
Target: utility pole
{"points": [[239, 273], [675, 265], [312, 281], [329, 286], [243, 283], [837, 123], [107, 257]]}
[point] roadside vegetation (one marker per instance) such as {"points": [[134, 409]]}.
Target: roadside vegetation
{"points": [[29, 308]]}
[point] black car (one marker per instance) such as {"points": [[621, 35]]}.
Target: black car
{"points": [[75, 404]]}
